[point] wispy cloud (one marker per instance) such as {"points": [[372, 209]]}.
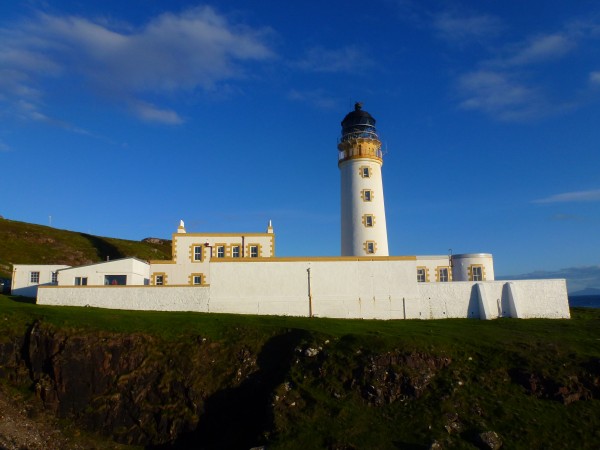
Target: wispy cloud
{"points": [[541, 48], [345, 59], [511, 83], [569, 197], [454, 26], [195, 49], [151, 113], [318, 98], [499, 94]]}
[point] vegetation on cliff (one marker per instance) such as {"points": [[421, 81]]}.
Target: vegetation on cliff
{"points": [[26, 243], [188, 380]]}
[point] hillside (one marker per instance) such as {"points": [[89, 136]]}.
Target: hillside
{"points": [[211, 381], [25, 243]]}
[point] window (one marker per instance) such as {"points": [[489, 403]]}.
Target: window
{"points": [[81, 281], [115, 280], [477, 273], [367, 195], [159, 280], [365, 172], [34, 277], [370, 247], [197, 279], [54, 279], [235, 251], [368, 220], [254, 251], [220, 251], [421, 275], [198, 253], [443, 274]]}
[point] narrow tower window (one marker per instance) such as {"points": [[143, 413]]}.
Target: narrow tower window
{"points": [[367, 195], [365, 172], [370, 247], [368, 220]]}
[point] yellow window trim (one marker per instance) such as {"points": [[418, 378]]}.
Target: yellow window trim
{"points": [[366, 247], [437, 273], [155, 274], [202, 255], [426, 269]]}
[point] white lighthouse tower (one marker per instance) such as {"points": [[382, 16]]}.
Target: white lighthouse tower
{"points": [[364, 231]]}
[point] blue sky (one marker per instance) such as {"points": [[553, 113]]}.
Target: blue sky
{"points": [[119, 118]]}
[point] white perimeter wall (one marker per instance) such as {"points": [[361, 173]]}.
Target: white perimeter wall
{"points": [[339, 289]]}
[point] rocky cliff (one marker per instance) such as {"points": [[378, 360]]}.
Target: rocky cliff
{"points": [[287, 386]]}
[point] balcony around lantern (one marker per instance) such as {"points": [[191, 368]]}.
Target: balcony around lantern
{"points": [[358, 152], [366, 133]]}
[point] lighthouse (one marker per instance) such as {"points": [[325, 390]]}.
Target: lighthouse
{"points": [[364, 231]]}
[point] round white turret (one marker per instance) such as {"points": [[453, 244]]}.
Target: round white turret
{"points": [[364, 230]]}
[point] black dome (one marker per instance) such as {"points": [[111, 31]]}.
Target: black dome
{"points": [[358, 123]]}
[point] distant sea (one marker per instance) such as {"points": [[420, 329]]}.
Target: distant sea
{"points": [[586, 301]]}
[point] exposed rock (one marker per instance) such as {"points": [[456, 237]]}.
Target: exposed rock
{"points": [[152, 240], [311, 352], [489, 440], [397, 376], [547, 388]]}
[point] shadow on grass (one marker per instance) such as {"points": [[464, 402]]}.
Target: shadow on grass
{"points": [[103, 248], [239, 417], [21, 299]]}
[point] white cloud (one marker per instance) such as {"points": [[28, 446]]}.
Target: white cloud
{"points": [[542, 48], [151, 113], [195, 49], [499, 94], [568, 197], [345, 59], [453, 26], [511, 83], [317, 98]]}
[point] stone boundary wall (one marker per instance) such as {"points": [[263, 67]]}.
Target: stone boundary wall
{"points": [[140, 298], [480, 300]]}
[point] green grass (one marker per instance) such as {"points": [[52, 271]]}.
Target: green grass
{"points": [[25, 243], [479, 384]]}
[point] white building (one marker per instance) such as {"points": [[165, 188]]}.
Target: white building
{"points": [[27, 277], [118, 272], [239, 273], [193, 252]]}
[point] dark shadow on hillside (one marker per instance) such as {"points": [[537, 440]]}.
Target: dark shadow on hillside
{"points": [[104, 249], [237, 418]]}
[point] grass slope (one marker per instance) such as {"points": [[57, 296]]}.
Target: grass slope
{"points": [[25, 243], [478, 391]]}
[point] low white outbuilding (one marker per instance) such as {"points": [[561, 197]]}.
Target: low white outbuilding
{"points": [[27, 277], [119, 272]]}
